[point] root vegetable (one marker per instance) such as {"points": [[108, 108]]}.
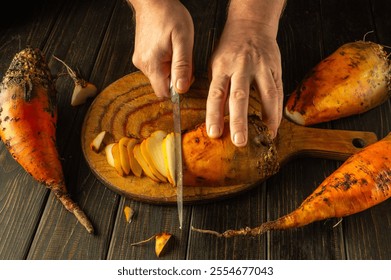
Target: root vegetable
{"points": [[218, 162], [28, 117], [352, 80], [82, 89], [361, 182]]}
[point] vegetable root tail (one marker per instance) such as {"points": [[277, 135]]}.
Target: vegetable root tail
{"points": [[72, 207], [282, 223], [247, 231]]}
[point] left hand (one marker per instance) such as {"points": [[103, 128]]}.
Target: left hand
{"points": [[247, 54]]}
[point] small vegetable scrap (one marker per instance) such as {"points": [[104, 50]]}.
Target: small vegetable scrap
{"points": [[28, 117], [161, 242], [100, 141], [82, 89], [352, 80], [128, 212], [361, 182]]}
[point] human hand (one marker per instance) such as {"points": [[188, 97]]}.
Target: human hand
{"points": [[247, 54], [164, 44]]}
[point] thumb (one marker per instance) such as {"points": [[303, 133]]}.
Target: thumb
{"points": [[182, 64]]}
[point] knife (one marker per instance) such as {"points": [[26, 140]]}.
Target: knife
{"points": [[175, 99]]}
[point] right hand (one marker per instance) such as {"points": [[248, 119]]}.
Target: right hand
{"points": [[164, 44]]}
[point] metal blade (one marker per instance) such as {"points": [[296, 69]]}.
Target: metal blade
{"points": [[178, 151]]}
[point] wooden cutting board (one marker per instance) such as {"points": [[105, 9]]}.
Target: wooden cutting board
{"points": [[128, 107]]}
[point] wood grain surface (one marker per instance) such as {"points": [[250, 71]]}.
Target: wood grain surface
{"points": [[97, 39]]}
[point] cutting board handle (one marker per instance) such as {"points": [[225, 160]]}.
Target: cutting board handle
{"points": [[295, 140]]}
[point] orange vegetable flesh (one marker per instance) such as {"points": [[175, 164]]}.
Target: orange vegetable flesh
{"points": [[28, 119], [213, 162]]}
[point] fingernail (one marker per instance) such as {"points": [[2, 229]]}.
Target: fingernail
{"points": [[214, 131], [239, 138], [181, 84]]}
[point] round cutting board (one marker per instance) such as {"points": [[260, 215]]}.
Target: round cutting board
{"points": [[129, 107]]}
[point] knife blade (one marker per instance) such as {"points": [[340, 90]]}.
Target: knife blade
{"points": [[176, 110]]}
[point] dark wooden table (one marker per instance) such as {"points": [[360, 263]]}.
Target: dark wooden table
{"points": [[96, 38]]}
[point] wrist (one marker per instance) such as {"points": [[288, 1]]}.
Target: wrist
{"points": [[264, 15], [146, 4]]}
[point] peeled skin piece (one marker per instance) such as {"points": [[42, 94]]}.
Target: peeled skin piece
{"points": [[218, 162], [352, 80]]}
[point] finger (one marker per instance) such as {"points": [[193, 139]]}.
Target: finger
{"points": [[160, 83], [271, 92], [157, 69], [215, 106], [182, 62], [238, 109]]}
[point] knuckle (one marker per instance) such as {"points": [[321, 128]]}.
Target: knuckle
{"points": [[136, 60], [217, 94], [141, 63], [270, 93], [148, 61], [239, 94]]}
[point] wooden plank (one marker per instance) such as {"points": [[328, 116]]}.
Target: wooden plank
{"points": [[22, 200], [247, 209], [76, 39], [21, 203], [148, 220], [31, 27], [348, 21], [380, 16], [115, 54], [300, 40]]}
